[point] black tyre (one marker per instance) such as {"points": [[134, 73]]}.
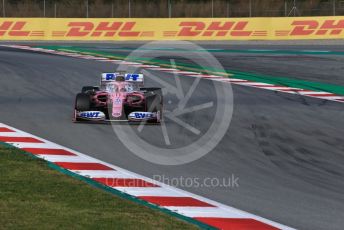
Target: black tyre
{"points": [[89, 88], [82, 102], [154, 102]]}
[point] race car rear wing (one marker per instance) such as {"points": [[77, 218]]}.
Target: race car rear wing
{"points": [[130, 77], [136, 79]]}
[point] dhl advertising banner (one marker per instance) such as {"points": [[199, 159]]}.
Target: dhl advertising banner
{"points": [[118, 29]]}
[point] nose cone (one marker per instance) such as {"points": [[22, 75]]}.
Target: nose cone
{"points": [[117, 99], [117, 105]]}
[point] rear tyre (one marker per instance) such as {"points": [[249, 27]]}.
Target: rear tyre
{"points": [[82, 102]]}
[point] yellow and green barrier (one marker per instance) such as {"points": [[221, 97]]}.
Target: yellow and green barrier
{"points": [[118, 29]]}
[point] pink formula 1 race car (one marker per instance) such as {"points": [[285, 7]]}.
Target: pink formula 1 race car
{"points": [[120, 97]]}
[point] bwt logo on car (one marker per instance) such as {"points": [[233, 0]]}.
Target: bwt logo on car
{"points": [[133, 77], [142, 115], [110, 76], [90, 115]]}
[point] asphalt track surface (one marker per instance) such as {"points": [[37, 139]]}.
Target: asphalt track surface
{"points": [[286, 150], [319, 68]]}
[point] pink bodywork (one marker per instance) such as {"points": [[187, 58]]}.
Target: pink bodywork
{"points": [[118, 98]]}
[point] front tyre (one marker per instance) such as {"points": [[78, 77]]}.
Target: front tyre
{"points": [[154, 103], [82, 102]]}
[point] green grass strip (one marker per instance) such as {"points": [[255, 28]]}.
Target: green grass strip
{"points": [[33, 196]]}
